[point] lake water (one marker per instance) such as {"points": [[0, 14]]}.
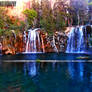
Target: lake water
{"points": [[45, 77], [46, 72]]}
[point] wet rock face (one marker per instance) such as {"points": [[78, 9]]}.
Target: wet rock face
{"points": [[17, 44], [60, 44], [46, 42], [89, 29], [61, 41], [12, 45], [7, 50]]}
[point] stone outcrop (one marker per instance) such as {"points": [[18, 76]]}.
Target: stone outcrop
{"points": [[61, 41], [17, 44], [13, 44], [58, 45]]}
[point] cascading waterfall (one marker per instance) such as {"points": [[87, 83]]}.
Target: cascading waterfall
{"points": [[34, 43], [76, 42]]}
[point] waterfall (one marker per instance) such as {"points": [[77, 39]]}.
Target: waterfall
{"points": [[34, 42], [76, 42], [24, 36], [55, 48]]}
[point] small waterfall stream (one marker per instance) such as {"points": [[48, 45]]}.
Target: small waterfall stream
{"points": [[76, 42], [34, 42]]}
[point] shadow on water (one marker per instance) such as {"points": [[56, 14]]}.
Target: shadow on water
{"points": [[48, 56], [75, 76]]}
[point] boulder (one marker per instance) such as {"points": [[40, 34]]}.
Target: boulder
{"points": [[8, 50]]}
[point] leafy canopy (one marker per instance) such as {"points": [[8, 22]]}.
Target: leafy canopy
{"points": [[30, 14]]}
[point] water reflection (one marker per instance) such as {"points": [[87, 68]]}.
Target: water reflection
{"points": [[71, 69], [81, 70], [30, 68], [91, 77], [76, 70], [51, 76]]}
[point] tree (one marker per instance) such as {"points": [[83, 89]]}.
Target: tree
{"points": [[79, 9], [89, 3], [4, 18], [31, 15], [9, 22], [37, 7], [47, 21], [60, 14]]}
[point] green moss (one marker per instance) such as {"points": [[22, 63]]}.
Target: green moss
{"points": [[38, 60]]}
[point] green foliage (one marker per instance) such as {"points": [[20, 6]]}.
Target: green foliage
{"points": [[60, 22], [52, 19], [38, 60], [31, 15], [8, 23], [1, 32], [10, 28], [79, 12], [89, 3], [47, 23], [3, 17]]}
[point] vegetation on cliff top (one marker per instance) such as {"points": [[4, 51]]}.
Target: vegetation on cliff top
{"points": [[45, 16], [59, 16], [48, 18], [11, 30], [31, 15]]}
